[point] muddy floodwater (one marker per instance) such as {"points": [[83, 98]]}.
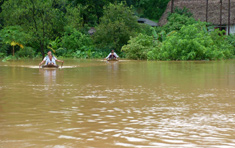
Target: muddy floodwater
{"points": [[92, 103]]}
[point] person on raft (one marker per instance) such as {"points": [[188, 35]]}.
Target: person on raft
{"points": [[47, 59], [112, 55], [50, 60]]}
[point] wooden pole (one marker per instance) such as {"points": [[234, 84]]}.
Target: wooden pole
{"points": [[206, 10], [221, 3], [228, 17], [172, 6]]}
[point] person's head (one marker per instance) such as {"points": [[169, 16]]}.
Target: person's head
{"points": [[112, 51], [50, 56], [49, 53]]}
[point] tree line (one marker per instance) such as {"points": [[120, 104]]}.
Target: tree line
{"points": [[36, 26], [29, 28]]}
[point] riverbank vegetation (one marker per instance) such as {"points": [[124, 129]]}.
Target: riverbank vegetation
{"points": [[90, 29]]}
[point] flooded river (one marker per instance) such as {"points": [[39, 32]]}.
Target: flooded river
{"points": [[92, 103]]}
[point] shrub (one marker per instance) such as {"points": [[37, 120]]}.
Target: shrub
{"points": [[231, 40], [3, 48], [138, 47], [177, 21], [180, 11], [193, 42], [146, 29], [26, 52]]}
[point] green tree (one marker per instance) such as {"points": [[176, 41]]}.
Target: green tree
{"points": [[73, 16], [92, 10], [1, 19], [43, 20], [177, 21], [14, 35], [116, 26], [71, 43], [152, 9]]}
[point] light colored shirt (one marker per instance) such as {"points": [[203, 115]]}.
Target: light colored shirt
{"points": [[48, 61], [113, 54], [47, 57]]}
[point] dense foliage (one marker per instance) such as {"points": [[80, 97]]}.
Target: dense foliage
{"points": [[116, 26], [93, 9], [177, 21], [231, 40], [152, 9], [90, 29], [138, 47], [14, 36], [41, 20], [192, 41]]}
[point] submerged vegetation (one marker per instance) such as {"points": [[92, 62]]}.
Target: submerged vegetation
{"points": [[90, 29]]}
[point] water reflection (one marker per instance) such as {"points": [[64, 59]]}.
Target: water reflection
{"points": [[112, 72], [49, 75], [112, 66]]}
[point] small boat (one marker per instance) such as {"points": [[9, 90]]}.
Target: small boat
{"points": [[51, 66]]}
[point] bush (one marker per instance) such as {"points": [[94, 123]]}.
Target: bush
{"points": [[10, 57], [193, 42], [231, 40], [180, 11], [25, 52], [61, 52], [146, 29], [138, 47], [3, 49], [177, 21]]}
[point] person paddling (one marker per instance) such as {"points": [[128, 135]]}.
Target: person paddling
{"points": [[47, 57], [112, 55], [50, 60]]}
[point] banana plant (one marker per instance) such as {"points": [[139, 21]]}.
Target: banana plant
{"points": [[14, 36]]}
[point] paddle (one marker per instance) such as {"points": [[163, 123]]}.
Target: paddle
{"points": [[62, 64]]}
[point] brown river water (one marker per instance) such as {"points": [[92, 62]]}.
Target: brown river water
{"points": [[92, 103]]}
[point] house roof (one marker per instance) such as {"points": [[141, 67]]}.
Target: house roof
{"points": [[147, 21], [198, 9]]}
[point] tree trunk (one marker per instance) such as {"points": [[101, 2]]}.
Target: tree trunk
{"points": [[13, 51], [172, 6]]}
